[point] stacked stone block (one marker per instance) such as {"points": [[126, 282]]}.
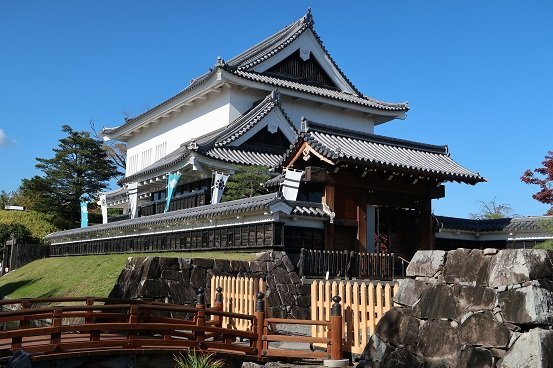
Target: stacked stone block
{"points": [[176, 280], [469, 308]]}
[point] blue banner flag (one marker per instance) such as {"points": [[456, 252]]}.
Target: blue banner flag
{"points": [[172, 181], [84, 214]]}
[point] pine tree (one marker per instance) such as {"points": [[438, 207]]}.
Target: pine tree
{"points": [[79, 169], [246, 182]]}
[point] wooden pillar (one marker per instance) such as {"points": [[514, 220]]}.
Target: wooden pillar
{"points": [[328, 199], [426, 231], [361, 227]]}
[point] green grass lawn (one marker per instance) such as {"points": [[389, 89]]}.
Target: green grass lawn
{"points": [[82, 275]]}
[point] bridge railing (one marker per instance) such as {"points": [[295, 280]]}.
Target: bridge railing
{"points": [[105, 325]]}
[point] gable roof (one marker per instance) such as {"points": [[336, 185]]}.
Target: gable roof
{"points": [[245, 122], [371, 150], [278, 42], [216, 144], [242, 66]]}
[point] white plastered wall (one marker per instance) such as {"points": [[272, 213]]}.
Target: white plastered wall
{"points": [[192, 122]]}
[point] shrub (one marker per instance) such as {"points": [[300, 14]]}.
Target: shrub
{"points": [[27, 223], [194, 359]]}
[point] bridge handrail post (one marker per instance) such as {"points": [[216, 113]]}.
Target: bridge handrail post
{"points": [[24, 322], [336, 352], [218, 306], [55, 337], [133, 318], [200, 315], [260, 322]]}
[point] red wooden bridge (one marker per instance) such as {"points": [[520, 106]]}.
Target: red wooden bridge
{"points": [[83, 327]]}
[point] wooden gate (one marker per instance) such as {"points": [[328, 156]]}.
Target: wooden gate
{"points": [[363, 305]]}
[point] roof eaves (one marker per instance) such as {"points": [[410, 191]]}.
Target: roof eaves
{"points": [[193, 84], [221, 209], [320, 91]]}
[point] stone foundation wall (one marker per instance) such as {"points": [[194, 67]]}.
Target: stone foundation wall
{"points": [[176, 280], [469, 308]]}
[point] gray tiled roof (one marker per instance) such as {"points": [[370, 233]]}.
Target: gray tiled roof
{"points": [[243, 157], [213, 144], [341, 145], [247, 121], [308, 209], [271, 45], [321, 91], [278, 42], [241, 64], [202, 212], [493, 225], [211, 211]]}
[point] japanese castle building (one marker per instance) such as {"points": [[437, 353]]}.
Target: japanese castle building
{"points": [[283, 104]]}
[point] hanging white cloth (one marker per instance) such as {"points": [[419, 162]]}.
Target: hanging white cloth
{"points": [[133, 199], [291, 184], [102, 202], [218, 187]]}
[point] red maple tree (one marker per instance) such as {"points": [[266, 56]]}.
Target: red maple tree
{"points": [[542, 176]]}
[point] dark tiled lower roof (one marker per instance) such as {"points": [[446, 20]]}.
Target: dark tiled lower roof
{"points": [[211, 211], [308, 209], [376, 151], [321, 91], [202, 212], [493, 225], [243, 157]]}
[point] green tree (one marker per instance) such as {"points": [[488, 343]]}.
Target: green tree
{"points": [[547, 226], [6, 198], [16, 230], [248, 181], [79, 169]]}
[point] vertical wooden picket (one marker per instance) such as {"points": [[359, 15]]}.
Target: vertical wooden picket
{"points": [[363, 304], [238, 297]]}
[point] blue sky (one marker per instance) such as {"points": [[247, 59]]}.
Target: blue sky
{"points": [[478, 74]]}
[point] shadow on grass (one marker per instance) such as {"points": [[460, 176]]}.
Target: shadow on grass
{"points": [[10, 287], [50, 293]]}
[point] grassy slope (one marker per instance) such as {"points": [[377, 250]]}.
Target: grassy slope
{"points": [[80, 276]]}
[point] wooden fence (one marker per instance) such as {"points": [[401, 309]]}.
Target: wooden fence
{"points": [[363, 305], [16, 255], [238, 297], [346, 264]]}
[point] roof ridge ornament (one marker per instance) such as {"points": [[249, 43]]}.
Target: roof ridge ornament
{"points": [[275, 95], [304, 124], [220, 62], [192, 146], [308, 18]]}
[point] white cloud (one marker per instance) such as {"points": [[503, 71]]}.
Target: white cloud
{"points": [[4, 139]]}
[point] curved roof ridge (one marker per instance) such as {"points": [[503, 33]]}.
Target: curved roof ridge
{"points": [[271, 45], [248, 120], [376, 138], [319, 91]]}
